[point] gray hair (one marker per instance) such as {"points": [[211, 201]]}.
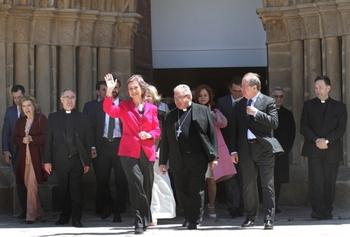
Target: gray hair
{"points": [[183, 88], [276, 88], [67, 89], [254, 79]]}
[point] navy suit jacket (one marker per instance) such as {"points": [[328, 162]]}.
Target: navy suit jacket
{"points": [[332, 127], [88, 106], [265, 120], [8, 128]]}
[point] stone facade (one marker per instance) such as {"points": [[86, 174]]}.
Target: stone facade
{"points": [[47, 46], [307, 38]]}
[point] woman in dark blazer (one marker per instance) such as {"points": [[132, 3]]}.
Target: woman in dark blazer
{"points": [[137, 149], [29, 136]]}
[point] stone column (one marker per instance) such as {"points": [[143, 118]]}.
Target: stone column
{"points": [[297, 76], [312, 46], [122, 54], [331, 51], [66, 70], [85, 61]]}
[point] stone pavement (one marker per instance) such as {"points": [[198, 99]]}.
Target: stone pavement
{"points": [[293, 221]]}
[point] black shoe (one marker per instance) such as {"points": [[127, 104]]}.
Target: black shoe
{"points": [[61, 222], [107, 212], [318, 216], [184, 223], [248, 223], [117, 217], [268, 225], [29, 222], [235, 212], [138, 230], [22, 215], [192, 226], [77, 224]]}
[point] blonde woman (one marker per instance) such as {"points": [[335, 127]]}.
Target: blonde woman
{"points": [[163, 202], [29, 136]]}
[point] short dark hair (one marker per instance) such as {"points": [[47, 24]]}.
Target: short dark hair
{"points": [[99, 83], [236, 80], [326, 80], [16, 88]]}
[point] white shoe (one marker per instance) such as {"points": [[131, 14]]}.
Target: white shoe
{"points": [[211, 209]]}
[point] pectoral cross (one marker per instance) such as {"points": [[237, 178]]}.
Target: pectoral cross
{"points": [[178, 131]]}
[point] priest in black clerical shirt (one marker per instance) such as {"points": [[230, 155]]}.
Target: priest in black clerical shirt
{"points": [[189, 142], [67, 152], [323, 123]]}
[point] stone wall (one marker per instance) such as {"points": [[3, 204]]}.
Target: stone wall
{"points": [[48, 46], [305, 39]]}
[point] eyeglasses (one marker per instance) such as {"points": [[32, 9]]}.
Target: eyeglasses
{"points": [[278, 96], [236, 91], [69, 97], [179, 98]]}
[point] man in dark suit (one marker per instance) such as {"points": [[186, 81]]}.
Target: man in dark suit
{"points": [[106, 133], [67, 152], [254, 118], [101, 88], [323, 123], [189, 142], [9, 149], [285, 134], [233, 185]]}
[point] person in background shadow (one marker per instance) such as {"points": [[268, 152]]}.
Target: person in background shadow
{"points": [[106, 133], [29, 136], [88, 106], [68, 153], [254, 118], [233, 185], [285, 134], [323, 123], [189, 143], [9, 149]]}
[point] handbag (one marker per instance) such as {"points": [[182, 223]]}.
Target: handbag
{"points": [[45, 174]]}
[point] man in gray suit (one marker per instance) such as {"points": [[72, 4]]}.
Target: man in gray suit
{"points": [[254, 118], [9, 149]]}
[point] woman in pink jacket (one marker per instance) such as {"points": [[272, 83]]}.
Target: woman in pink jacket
{"points": [[137, 150]]}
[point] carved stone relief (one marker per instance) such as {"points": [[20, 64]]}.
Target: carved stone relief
{"points": [[330, 24], [21, 29], [311, 24], [85, 33], [275, 31], [294, 28], [345, 16], [65, 33], [41, 31]]}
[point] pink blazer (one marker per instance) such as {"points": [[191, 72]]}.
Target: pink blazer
{"points": [[133, 123]]}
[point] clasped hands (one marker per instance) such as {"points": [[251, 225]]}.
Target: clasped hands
{"points": [[321, 143], [27, 139], [144, 135]]}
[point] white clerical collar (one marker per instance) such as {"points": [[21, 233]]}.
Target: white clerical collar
{"points": [[189, 105], [68, 111]]}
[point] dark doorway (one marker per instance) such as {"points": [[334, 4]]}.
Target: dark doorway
{"points": [[217, 78]]}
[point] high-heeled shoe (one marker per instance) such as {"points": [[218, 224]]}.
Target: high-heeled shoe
{"points": [[211, 211]]}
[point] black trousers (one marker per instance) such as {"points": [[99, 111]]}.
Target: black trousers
{"points": [[260, 161], [140, 176], [233, 187], [322, 180], [107, 158], [21, 188], [189, 185], [70, 188]]}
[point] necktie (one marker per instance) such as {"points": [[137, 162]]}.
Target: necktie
{"points": [[111, 125], [249, 104]]}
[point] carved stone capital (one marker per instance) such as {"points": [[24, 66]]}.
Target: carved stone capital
{"points": [[65, 27], [86, 27], [295, 28], [344, 9], [275, 31], [125, 30], [103, 33], [42, 23], [19, 25]]}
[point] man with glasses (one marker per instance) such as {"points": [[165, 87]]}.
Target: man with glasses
{"points": [[189, 142], [233, 185], [68, 153], [285, 134], [253, 145]]}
